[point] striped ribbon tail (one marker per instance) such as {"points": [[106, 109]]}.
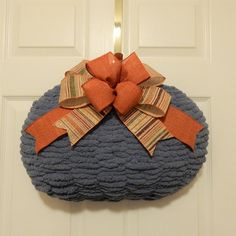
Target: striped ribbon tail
{"points": [[80, 121], [147, 129], [143, 120]]}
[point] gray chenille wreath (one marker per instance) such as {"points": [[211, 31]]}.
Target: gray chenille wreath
{"points": [[109, 163]]}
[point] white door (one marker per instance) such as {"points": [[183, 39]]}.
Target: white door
{"points": [[191, 42]]}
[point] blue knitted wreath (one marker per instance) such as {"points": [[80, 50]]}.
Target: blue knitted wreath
{"points": [[109, 163]]}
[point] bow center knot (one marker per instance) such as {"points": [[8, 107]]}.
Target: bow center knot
{"points": [[115, 82], [124, 96]]}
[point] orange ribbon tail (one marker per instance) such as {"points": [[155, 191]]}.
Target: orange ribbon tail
{"points": [[182, 126], [43, 129]]}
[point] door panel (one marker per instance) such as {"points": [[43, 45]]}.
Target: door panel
{"points": [[174, 38], [193, 44], [39, 41]]}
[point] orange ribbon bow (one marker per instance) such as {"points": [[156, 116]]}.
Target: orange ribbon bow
{"points": [[89, 90], [115, 82]]}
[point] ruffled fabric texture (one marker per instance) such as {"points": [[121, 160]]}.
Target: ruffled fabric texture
{"points": [[109, 163]]}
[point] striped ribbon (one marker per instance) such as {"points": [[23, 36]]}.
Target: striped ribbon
{"points": [[152, 119], [154, 101], [147, 129], [71, 93], [80, 121]]}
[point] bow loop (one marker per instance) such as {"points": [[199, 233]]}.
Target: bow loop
{"points": [[133, 70], [156, 79], [115, 81], [128, 95], [99, 93], [154, 102], [71, 93], [106, 67]]}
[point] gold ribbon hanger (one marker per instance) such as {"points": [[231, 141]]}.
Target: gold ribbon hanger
{"points": [[118, 29]]}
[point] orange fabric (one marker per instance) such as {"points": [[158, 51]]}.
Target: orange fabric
{"points": [[106, 67], [128, 95], [133, 70], [122, 76], [112, 69], [43, 130], [99, 93], [125, 96], [182, 126]]}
